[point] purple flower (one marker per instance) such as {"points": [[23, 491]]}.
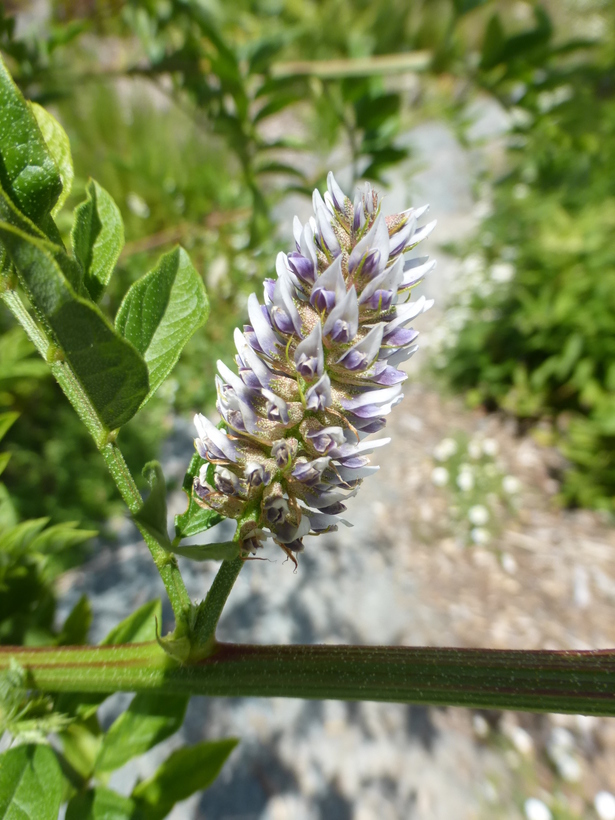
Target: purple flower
{"points": [[317, 372]]}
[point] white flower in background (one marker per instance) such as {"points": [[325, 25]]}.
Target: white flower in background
{"points": [[482, 210], [475, 449], [521, 191], [473, 264], [445, 449], [480, 536], [490, 447], [137, 205], [537, 810], [502, 272], [478, 515], [511, 484], [465, 479], [521, 740], [604, 803], [439, 476]]}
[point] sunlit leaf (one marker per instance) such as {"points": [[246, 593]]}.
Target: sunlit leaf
{"points": [[150, 718], [161, 311], [138, 627], [77, 625], [58, 145], [111, 372], [97, 238], [186, 771], [30, 784], [100, 803], [28, 172]]}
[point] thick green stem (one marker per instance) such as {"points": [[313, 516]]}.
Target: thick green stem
{"points": [[70, 384], [211, 608], [541, 681]]}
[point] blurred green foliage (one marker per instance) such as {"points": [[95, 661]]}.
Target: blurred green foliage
{"points": [[32, 554], [543, 345]]}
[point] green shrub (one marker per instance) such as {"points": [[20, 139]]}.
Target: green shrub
{"points": [[542, 345]]}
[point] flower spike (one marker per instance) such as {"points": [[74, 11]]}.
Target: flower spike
{"points": [[317, 372]]}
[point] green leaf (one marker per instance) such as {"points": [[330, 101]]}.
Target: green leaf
{"points": [[275, 105], [100, 803], [153, 514], [195, 519], [373, 112], [82, 739], [224, 551], [464, 6], [28, 172], [30, 784], [58, 145], [6, 422], [138, 627], [279, 168], [77, 624], [4, 460], [150, 718], [110, 371], [161, 311], [97, 238], [493, 43], [186, 771]]}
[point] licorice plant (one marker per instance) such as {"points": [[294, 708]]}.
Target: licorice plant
{"points": [[317, 373]]}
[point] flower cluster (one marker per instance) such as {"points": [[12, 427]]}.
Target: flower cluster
{"points": [[317, 372]]}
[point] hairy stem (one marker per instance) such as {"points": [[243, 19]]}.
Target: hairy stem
{"points": [[211, 608], [542, 681], [70, 384]]}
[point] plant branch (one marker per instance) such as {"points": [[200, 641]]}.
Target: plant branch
{"points": [[211, 608], [70, 384], [542, 681]]}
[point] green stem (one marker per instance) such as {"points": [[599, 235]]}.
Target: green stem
{"points": [[211, 608], [541, 681], [165, 561], [70, 384]]}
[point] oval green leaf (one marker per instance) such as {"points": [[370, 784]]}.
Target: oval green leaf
{"points": [[161, 311], [31, 783]]}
